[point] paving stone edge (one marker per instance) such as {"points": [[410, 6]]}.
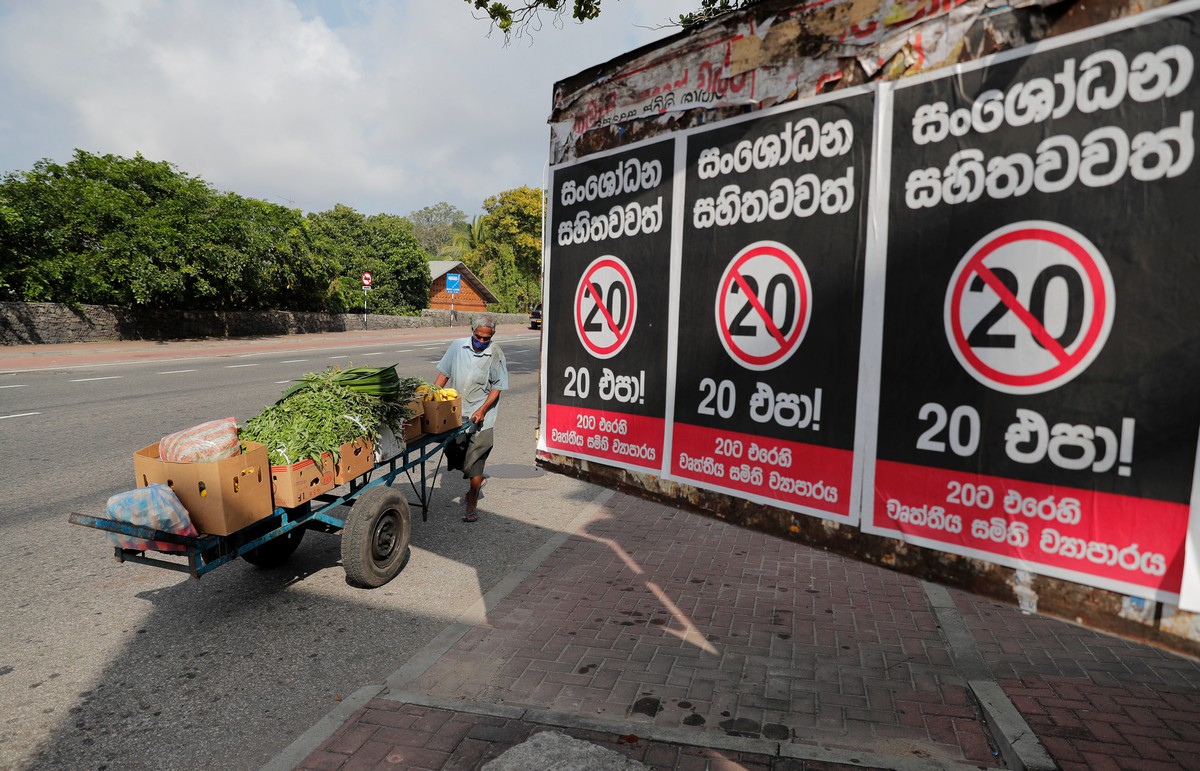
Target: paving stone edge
{"points": [[295, 753], [1019, 745], [651, 732]]}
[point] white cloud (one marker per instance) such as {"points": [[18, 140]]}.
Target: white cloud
{"points": [[380, 105]]}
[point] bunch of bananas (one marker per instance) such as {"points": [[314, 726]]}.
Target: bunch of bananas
{"points": [[428, 393]]}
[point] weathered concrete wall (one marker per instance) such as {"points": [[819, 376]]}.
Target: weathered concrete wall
{"points": [[781, 51], [45, 323]]}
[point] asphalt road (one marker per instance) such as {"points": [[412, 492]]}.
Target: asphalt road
{"points": [[104, 665]]}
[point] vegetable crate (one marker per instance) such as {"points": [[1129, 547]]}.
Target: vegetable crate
{"points": [[372, 517]]}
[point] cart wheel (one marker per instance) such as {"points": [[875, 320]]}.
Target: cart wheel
{"points": [[276, 551], [375, 537]]}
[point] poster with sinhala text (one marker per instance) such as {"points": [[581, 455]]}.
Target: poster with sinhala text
{"points": [[770, 285], [1040, 335], [605, 317]]}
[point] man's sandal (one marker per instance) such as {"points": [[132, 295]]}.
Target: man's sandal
{"points": [[470, 517]]}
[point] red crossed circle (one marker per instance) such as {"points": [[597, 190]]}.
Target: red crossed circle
{"points": [[595, 342], [1067, 364], [788, 264]]}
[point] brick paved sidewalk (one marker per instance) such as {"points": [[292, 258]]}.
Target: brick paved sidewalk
{"points": [[1094, 700], [683, 631]]}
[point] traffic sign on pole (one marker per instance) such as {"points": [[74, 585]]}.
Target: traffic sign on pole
{"points": [[453, 283], [366, 278]]}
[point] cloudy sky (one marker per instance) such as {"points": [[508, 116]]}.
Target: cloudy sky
{"points": [[383, 105]]}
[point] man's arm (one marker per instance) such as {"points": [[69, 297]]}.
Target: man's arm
{"points": [[441, 380], [488, 403]]}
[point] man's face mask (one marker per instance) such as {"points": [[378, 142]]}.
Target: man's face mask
{"points": [[481, 339]]}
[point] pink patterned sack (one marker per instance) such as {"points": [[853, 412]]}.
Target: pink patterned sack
{"points": [[213, 440]]}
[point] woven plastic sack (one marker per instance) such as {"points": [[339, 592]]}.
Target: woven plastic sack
{"points": [[213, 440], [154, 506], [388, 445]]}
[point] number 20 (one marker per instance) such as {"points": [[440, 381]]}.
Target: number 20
{"points": [[960, 416], [723, 394], [579, 382]]}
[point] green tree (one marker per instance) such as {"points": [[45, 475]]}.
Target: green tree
{"points": [[135, 232], [514, 218], [504, 248], [434, 226], [382, 244], [261, 255], [516, 289], [469, 238], [102, 229]]}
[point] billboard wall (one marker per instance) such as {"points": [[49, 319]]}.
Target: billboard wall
{"points": [[954, 311]]}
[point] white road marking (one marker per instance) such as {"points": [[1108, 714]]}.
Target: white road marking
{"points": [[235, 366], [89, 379], [340, 357], [18, 385], [19, 415], [177, 371], [377, 353], [294, 361]]}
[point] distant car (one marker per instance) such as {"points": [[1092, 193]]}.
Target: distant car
{"points": [[535, 317]]}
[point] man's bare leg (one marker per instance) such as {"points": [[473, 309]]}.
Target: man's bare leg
{"points": [[473, 493]]}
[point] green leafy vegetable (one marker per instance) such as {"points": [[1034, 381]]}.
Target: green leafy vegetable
{"points": [[324, 410]]}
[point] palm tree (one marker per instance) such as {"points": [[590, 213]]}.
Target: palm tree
{"points": [[469, 239]]}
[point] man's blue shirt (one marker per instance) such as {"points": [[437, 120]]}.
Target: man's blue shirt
{"points": [[474, 374]]}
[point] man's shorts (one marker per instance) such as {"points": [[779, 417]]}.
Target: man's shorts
{"points": [[469, 452]]}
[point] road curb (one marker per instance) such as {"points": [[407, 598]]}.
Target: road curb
{"points": [[303, 746], [1018, 743]]}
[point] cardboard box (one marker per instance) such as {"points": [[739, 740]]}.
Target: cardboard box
{"points": [[354, 459], [221, 496], [412, 426], [293, 485], [441, 416]]}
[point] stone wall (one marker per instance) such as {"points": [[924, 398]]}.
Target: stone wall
{"points": [[44, 323]]}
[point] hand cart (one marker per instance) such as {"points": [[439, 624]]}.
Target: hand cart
{"points": [[372, 517]]}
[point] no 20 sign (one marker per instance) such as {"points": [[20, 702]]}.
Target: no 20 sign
{"points": [[1029, 307], [763, 305]]}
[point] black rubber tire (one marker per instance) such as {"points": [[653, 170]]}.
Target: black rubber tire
{"points": [[275, 552], [375, 538]]}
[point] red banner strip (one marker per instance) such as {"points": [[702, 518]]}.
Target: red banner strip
{"points": [[613, 437], [1115, 537]]}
